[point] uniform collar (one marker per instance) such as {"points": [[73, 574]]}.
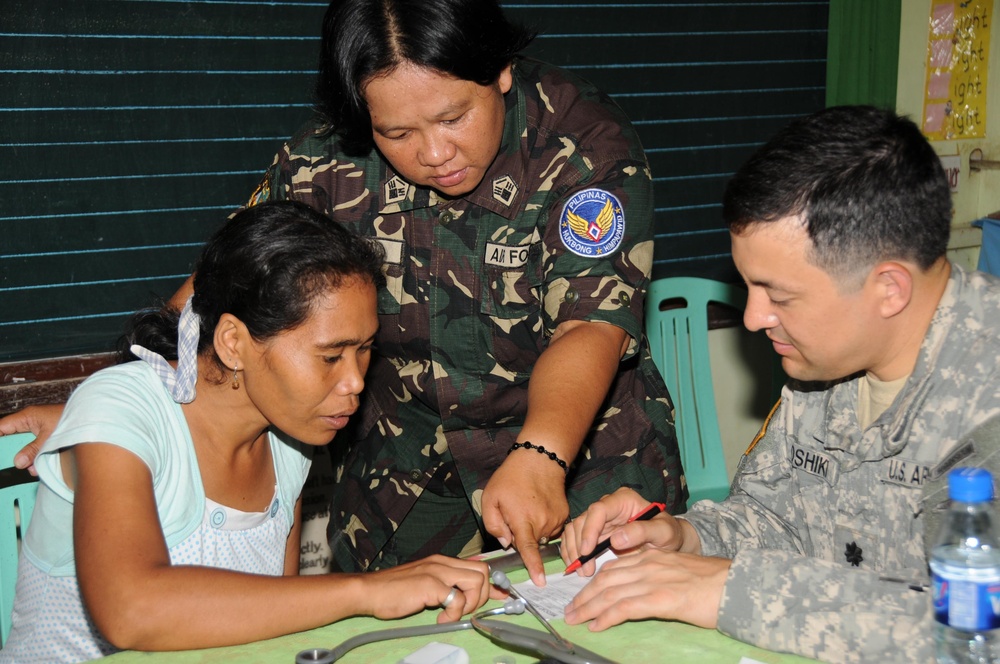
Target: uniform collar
{"points": [[502, 190], [842, 430]]}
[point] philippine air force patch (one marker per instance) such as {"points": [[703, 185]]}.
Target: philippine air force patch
{"points": [[592, 223]]}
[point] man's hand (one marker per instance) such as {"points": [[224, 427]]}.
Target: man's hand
{"points": [[524, 501], [609, 517], [652, 584], [39, 420]]}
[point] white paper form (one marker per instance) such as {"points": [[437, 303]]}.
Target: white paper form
{"points": [[559, 590]]}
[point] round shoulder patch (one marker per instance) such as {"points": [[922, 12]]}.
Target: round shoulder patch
{"points": [[592, 223]]}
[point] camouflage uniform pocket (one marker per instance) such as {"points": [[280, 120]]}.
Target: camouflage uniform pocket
{"points": [[619, 452], [390, 297], [511, 308], [390, 300]]}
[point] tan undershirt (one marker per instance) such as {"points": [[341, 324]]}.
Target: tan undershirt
{"points": [[875, 396]]}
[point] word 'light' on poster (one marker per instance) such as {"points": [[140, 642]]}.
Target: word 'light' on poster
{"points": [[958, 53]]}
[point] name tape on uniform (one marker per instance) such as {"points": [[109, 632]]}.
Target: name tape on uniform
{"points": [[393, 250], [907, 472], [502, 255], [815, 463]]}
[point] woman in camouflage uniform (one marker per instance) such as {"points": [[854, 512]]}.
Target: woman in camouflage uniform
{"points": [[514, 202]]}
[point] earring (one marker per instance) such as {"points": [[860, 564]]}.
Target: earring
{"points": [[236, 379]]}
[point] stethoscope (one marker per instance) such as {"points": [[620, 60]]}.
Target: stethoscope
{"points": [[547, 644]]}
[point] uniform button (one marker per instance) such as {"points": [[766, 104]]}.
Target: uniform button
{"points": [[624, 298], [416, 475], [571, 296], [447, 216]]}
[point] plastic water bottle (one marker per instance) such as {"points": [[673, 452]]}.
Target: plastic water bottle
{"points": [[965, 563]]}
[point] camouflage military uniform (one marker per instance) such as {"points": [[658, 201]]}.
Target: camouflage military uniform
{"points": [[476, 286], [825, 523]]}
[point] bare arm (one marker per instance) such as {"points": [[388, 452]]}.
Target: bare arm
{"points": [[526, 497], [139, 601]]}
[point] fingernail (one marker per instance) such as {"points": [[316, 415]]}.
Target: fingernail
{"points": [[21, 461]]}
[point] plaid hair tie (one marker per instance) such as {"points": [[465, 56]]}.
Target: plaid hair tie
{"points": [[180, 383]]}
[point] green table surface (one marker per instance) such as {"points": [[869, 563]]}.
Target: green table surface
{"points": [[645, 641]]}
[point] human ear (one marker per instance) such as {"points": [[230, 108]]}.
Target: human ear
{"points": [[894, 287], [230, 340], [505, 80]]}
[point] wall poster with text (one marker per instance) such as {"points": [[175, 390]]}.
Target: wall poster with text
{"points": [[958, 53]]}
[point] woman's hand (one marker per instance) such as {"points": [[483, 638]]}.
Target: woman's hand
{"points": [[39, 420], [425, 584], [524, 501]]}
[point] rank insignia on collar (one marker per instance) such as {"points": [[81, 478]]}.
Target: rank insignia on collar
{"points": [[504, 190], [852, 552], [395, 189]]}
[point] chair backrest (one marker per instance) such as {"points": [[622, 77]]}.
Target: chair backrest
{"points": [[17, 500], [677, 328]]}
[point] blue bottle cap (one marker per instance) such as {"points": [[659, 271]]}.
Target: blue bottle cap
{"points": [[970, 485]]}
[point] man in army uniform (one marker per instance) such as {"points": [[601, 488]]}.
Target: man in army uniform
{"points": [[839, 227]]}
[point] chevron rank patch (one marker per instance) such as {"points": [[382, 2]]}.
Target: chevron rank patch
{"points": [[395, 190], [592, 223]]}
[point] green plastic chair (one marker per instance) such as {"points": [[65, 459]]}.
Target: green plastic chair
{"points": [[677, 328], [17, 500]]}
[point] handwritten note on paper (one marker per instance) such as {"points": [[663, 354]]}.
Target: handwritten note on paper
{"points": [[551, 600]]}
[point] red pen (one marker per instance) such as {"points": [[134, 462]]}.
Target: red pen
{"points": [[645, 515]]}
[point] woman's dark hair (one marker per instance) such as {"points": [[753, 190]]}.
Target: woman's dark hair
{"points": [[362, 39], [265, 266]]}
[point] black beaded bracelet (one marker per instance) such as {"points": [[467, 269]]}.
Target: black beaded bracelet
{"points": [[541, 450]]}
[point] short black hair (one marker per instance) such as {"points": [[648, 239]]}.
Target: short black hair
{"points": [[469, 39], [266, 266], [867, 183]]}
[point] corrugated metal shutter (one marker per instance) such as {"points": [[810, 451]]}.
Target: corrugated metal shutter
{"points": [[130, 128]]}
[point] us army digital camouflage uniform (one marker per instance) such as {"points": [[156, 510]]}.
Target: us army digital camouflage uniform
{"points": [[476, 287], [825, 521]]}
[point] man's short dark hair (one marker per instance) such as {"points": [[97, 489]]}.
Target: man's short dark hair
{"points": [[469, 39], [867, 183]]}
